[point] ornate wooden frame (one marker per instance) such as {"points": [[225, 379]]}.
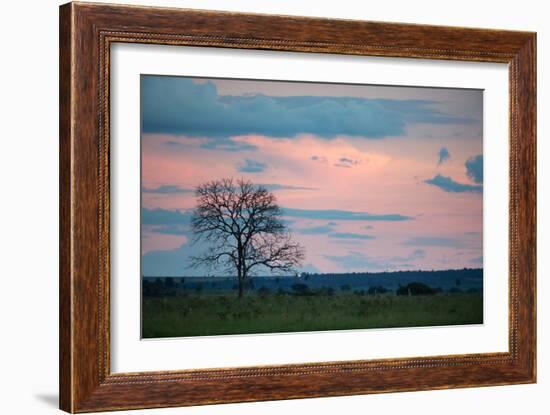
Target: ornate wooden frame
{"points": [[86, 33]]}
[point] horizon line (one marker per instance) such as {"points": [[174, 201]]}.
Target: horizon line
{"points": [[315, 274]]}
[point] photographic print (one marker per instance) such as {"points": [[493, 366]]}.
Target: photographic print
{"points": [[275, 206]]}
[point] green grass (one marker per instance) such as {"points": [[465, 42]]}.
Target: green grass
{"points": [[212, 314]]}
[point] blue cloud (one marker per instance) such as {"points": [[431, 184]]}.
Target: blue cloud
{"points": [[166, 189], [227, 144], [251, 166], [169, 230], [178, 105], [177, 262], [444, 155], [334, 214], [474, 168], [174, 262], [449, 185], [350, 235], [164, 217], [277, 186], [214, 143], [315, 230], [164, 221]]}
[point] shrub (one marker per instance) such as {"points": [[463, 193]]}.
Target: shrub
{"points": [[198, 288], [378, 289], [300, 289], [416, 288], [263, 291], [328, 291]]}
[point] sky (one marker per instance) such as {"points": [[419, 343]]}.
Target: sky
{"points": [[370, 178]]}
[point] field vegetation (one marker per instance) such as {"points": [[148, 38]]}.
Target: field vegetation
{"points": [[201, 313]]}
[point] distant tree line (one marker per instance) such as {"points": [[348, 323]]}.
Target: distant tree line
{"points": [[170, 286], [464, 273]]}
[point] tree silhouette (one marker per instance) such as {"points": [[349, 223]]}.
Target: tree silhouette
{"points": [[242, 224]]}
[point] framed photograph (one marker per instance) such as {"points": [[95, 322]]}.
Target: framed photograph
{"points": [[258, 207]]}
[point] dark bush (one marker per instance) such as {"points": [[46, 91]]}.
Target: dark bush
{"points": [[300, 289], [263, 291], [378, 289], [416, 288], [328, 291], [160, 287]]}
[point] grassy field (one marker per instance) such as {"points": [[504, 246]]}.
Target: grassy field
{"points": [[215, 314]]}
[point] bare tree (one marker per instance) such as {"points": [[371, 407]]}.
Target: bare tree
{"points": [[242, 224]]}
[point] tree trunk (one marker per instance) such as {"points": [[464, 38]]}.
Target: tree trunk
{"points": [[244, 279], [240, 268], [241, 290]]}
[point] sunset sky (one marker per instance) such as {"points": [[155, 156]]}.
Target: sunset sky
{"points": [[370, 178]]}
